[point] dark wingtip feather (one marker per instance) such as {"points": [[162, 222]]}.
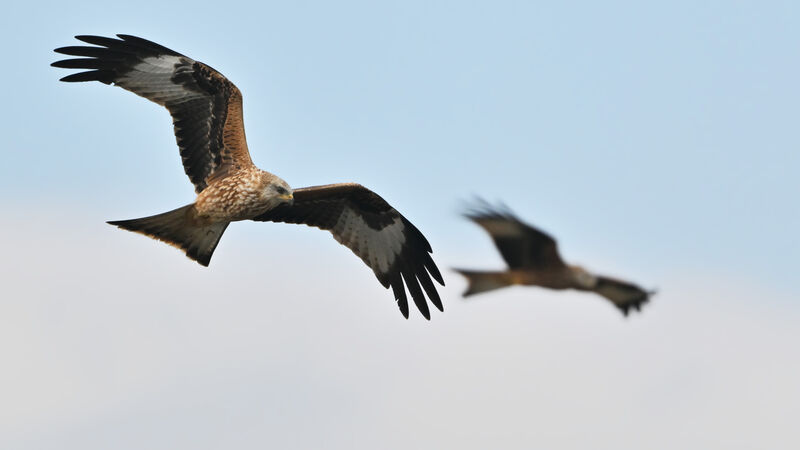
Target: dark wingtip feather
{"points": [[103, 76], [149, 45], [86, 63], [65, 64], [64, 50], [98, 40], [94, 52], [419, 298], [416, 292], [434, 271], [396, 282], [430, 289]]}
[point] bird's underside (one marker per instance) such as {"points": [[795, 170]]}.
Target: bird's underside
{"points": [[533, 260], [206, 110]]}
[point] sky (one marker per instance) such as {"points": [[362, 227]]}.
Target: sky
{"points": [[658, 143]]}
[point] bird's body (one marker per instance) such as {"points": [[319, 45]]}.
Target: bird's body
{"points": [[206, 110], [242, 195], [551, 279], [534, 260]]}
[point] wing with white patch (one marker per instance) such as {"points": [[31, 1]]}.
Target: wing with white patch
{"points": [[206, 108], [361, 220], [521, 245], [622, 294]]}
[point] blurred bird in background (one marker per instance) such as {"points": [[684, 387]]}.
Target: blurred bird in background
{"points": [[533, 260]]}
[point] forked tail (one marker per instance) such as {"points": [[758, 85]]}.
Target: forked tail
{"points": [[484, 281], [179, 228]]}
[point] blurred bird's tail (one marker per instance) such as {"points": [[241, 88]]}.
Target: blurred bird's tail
{"points": [[484, 281], [180, 228]]}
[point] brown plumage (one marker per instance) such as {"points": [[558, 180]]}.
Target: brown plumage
{"points": [[206, 110], [533, 260]]}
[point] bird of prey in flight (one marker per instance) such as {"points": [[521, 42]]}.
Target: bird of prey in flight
{"points": [[533, 260], [206, 110]]}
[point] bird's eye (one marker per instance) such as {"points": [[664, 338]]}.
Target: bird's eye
{"points": [[281, 190]]}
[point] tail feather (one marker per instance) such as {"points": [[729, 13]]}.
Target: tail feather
{"points": [[484, 281], [181, 229]]}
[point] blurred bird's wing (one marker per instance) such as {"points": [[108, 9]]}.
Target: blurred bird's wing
{"points": [[622, 294], [521, 245]]}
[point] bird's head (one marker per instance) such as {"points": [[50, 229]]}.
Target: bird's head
{"points": [[280, 190], [583, 277], [274, 191]]}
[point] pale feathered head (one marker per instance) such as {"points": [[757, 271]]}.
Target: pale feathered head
{"points": [[583, 277], [276, 190]]}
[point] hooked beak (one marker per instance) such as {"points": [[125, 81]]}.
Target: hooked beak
{"points": [[288, 198]]}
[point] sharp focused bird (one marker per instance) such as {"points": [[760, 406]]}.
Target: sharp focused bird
{"points": [[206, 110], [533, 260]]}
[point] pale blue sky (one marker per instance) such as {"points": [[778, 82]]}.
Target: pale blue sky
{"points": [[665, 133], [657, 142]]}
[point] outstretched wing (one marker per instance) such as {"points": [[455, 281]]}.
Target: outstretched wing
{"points": [[206, 108], [521, 245], [622, 294], [362, 221]]}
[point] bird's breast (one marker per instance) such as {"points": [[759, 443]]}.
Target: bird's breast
{"points": [[237, 197], [552, 279]]}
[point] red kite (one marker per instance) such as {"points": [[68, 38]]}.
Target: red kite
{"points": [[206, 110], [533, 260]]}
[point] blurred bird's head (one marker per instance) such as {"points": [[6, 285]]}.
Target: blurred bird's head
{"points": [[582, 277]]}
